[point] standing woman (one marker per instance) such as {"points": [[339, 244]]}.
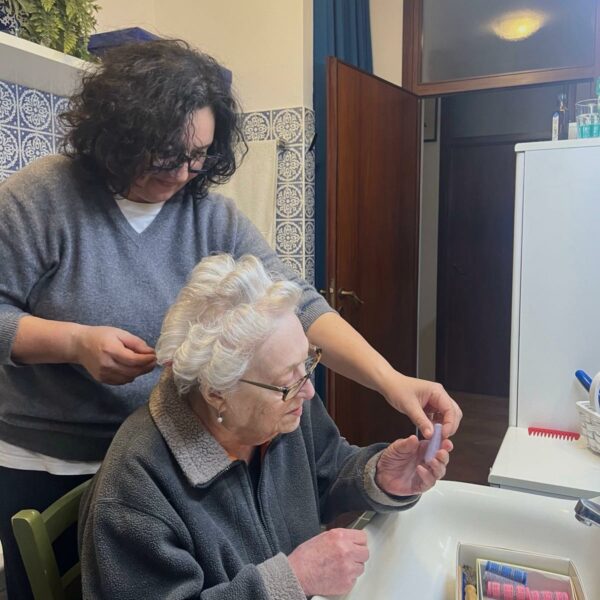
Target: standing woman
{"points": [[95, 245]]}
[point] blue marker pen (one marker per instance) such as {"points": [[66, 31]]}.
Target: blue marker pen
{"points": [[584, 379]]}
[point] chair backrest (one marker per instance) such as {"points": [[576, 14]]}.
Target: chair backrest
{"points": [[35, 533]]}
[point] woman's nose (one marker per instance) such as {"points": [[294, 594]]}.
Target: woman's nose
{"points": [[308, 390], [181, 173]]}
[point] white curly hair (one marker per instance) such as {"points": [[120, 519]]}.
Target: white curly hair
{"points": [[225, 311]]}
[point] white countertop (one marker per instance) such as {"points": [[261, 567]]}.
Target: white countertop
{"points": [[413, 553], [549, 466]]}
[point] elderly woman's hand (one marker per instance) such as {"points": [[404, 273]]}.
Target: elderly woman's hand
{"points": [[401, 471], [329, 564], [112, 355], [417, 397]]}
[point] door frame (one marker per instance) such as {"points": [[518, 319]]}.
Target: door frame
{"points": [[412, 57]]}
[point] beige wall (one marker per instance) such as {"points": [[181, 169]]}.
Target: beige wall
{"points": [[386, 38], [266, 43], [117, 14]]}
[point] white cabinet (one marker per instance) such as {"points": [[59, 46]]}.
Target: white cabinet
{"points": [[555, 315]]}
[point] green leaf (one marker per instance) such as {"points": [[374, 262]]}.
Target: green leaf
{"points": [[64, 25], [70, 9], [47, 5], [69, 42]]}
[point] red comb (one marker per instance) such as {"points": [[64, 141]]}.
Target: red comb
{"points": [[553, 433]]}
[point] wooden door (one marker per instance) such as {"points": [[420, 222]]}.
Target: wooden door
{"points": [[475, 266], [373, 148]]}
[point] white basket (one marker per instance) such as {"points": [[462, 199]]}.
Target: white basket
{"points": [[590, 425]]}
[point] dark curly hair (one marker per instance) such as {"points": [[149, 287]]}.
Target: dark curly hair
{"points": [[135, 109]]}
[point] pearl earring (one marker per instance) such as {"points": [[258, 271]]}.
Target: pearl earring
{"points": [[219, 418]]}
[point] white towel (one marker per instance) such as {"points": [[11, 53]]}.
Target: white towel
{"points": [[253, 187]]}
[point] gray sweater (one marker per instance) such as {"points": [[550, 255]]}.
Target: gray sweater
{"points": [[170, 515], [68, 253]]}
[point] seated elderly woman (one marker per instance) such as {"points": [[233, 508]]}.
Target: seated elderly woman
{"points": [[219, 486]]}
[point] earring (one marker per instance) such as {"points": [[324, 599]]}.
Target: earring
{"points": [[219, 418]]}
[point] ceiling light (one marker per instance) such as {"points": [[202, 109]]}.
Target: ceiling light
{"points": [[518, 25]]}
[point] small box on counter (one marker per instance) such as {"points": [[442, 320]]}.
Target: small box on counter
{"points": [[519, 571]]}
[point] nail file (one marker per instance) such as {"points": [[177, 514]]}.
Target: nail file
{"points": [[434, 443]]}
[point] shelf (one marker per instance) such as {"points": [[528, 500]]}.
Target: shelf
{"points": [[550, 145], [38, 67], [548, 466]]}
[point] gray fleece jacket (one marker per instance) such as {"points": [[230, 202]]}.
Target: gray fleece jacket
{"points": [[67, 253], [170, 515]]}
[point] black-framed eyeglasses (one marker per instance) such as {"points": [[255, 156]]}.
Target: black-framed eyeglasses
{"points": [[289, 392], [199, 162]]}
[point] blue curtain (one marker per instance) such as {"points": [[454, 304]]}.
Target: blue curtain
{"points": [[341, 28]]}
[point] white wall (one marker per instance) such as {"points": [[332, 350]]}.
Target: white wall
{"points": [[386, 38], [428, 250], [266, 43]]}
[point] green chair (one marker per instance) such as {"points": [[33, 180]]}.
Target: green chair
{"points": [[35, 533]]}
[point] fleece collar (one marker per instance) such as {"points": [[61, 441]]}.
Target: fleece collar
{"points": [[199, 455]]}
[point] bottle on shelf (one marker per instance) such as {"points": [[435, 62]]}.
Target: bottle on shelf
{"points": [[563, 117], [560, 120]]}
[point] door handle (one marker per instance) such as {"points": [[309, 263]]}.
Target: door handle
{"points": [[350, 294]]}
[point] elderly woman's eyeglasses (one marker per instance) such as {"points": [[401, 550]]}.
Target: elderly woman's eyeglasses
{"points": [[199, 162], [289, 392]]}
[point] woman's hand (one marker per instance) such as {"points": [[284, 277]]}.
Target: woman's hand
{"points": [[346, 352], [417, 398], [400, 469], [112, 355], [329, 564]]}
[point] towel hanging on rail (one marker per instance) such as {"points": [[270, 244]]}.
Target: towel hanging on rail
{"points": [[253, 187]]}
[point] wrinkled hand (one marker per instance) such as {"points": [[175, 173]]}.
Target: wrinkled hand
{"points": [[329, 564], [400, 469], [417, 397], [112, 355]]}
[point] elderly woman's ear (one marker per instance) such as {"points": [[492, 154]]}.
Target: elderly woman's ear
{"points": [[216, 401]]}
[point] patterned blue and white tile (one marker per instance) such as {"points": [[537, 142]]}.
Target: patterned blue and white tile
{"points": [[287, 125], [309, 238], [35, 109], [9, 148], [59, 105], [8, 104], [57, 143], [309, 269], [34, 145], [4, 175], [296, 263], [309, 201], [309, 167], [289, 237], [290, 166], [289, 201], [309, 126], [8, 23], [256, 126]]}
